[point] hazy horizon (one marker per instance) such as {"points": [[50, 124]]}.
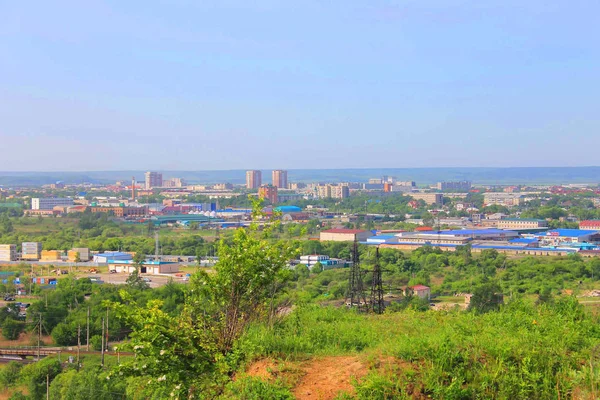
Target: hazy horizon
{"points": [[184, 86]]}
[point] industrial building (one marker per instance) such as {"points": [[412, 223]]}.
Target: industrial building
{"points": [[344, 235], [153, 179], [518, 223], [31, 250], [280, 179], [121, 211], [48, 203], [592, 225], [557, 237], [109, 257], [147, 267], [253, 179], [327, 263], [8, 252]]}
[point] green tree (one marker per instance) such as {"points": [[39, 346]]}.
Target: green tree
{"points": [[35, 375], [485, 298], [178, 354], [11, 329], [317, 268]]}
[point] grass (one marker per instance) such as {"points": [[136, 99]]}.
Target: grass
{"points": [[520, 352]]}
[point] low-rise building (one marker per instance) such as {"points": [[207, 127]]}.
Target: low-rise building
{"points": [[344, 235], [502, 199], [429, 198], [421, 291]]}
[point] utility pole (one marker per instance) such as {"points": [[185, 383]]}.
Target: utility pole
{"points": [[102, 351], [107, 327], [78, 343], [87, 341], [47, 387], [39, 337]]}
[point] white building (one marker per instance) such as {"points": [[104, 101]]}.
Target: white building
{"points": [[502, 199], [48, 203]]}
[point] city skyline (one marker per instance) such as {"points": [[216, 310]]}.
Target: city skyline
{"points": [[190, 86]]}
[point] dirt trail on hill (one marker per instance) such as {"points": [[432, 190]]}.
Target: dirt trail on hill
{"points": [[326, 377], [317, 379]]}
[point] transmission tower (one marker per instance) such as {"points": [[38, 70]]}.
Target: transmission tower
{"points": [[377, 287], [355, 296]]}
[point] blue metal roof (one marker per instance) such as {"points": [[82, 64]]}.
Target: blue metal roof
{"points": [[570, 232], [470, 232], [288, 209], [113, 254], [524, 240]]}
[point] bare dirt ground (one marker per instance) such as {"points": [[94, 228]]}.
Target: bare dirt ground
{"points": [[318, 379], [327, 377]]}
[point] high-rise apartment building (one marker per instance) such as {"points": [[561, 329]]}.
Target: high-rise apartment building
{"points": [[153, 179], [333, 191], [253, 179], [268, 192], [461, 185], [280, 179]]}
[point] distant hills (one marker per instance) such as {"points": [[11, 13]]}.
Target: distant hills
{"points": [[423, 176]]}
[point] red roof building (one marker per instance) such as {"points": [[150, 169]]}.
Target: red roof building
{"points": [[590, 225]]}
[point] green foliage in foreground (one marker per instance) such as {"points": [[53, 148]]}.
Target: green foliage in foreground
{"points": [[522, 351]]}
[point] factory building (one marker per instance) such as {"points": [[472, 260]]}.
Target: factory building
{"points": [[48, 203], [518, 223], [592, 225], [147, 267], [344, 235]]}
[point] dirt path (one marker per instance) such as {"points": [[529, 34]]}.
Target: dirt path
{"points": [[326, 377]]}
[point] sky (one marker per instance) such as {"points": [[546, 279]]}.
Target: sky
{"points": [[212, 85]]}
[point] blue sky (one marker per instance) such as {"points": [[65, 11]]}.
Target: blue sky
{"points": [[199, 85]]}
